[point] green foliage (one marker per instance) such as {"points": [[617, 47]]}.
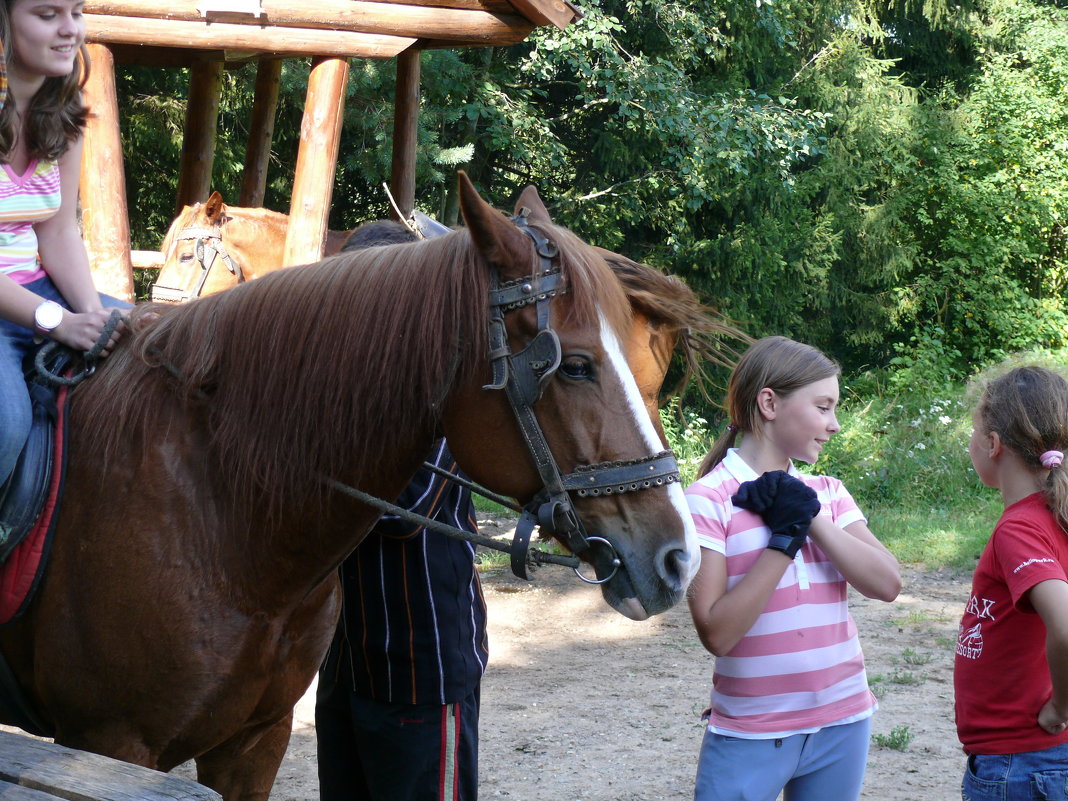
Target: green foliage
{"points": [[899, 738], [689, 436]]}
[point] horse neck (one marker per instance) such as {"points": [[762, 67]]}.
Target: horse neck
{"points": [[255, 237]]}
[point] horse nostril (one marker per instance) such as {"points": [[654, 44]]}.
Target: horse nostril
{"points": [[672, 565]]}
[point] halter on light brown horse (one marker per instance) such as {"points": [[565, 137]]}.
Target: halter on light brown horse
{"points": [[211, 247], [191, 591]]}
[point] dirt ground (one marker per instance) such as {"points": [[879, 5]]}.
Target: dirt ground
{"points": [[581, 703]]}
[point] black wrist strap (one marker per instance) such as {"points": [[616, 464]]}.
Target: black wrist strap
{"points": [[789, 541]]}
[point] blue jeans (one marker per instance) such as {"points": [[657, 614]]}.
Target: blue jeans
{"points": [[827, 765], [15, 343], [1017, 777]]}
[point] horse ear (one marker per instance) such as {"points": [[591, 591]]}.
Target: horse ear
{"points": [[530, 199], [214, 207], [498, 240]]}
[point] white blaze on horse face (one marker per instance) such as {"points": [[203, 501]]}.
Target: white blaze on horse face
{"points": [[613, 348]]}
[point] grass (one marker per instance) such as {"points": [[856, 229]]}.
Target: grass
{"points": [[899, 738], [951, 536], [915, 658]]}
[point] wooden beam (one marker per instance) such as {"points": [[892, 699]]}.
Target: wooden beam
{"points": [[405, 131], [546, 12], [201, 121], [313, 181], [105, 218], [176, 57], [391, 19], [261, 133], [280, 41]]}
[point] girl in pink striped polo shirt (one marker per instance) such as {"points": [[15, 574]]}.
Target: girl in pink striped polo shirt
{"points": [[791, 709]]}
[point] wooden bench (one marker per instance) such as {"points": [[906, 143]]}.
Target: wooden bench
{"points": [[36, 770]]}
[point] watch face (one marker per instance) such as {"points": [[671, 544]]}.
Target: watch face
{"points": [[48, 315]]}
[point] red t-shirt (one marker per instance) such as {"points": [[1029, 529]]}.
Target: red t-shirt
{"points": [[1001, 677]]}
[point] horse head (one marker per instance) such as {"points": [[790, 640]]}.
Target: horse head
{"points": [[196, 260], [211, 246], [564, 321]]}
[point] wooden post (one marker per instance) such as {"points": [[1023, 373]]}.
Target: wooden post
{"points": [[313, 182], [405, 130], [198, 147], [261, 132], [105, 220]]}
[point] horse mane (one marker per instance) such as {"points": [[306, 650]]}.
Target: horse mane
{"points": [[287, 374], [702, 334]]}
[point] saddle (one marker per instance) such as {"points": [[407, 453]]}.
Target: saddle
{"points": [[29, 497]]}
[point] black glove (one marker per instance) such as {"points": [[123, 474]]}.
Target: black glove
{"points": [[757, 495], [787, 506]]}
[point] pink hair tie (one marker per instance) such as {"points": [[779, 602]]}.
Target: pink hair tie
{"points": [[1051, 459]]}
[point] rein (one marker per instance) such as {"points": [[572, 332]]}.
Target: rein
{"points": [[205, 240], [45, 353]]}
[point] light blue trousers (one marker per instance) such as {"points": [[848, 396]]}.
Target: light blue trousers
{"points": [[827, 765]]}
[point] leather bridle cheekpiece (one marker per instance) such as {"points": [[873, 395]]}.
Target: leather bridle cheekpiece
{"points": [[523, 376]]}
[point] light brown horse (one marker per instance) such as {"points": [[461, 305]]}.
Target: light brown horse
{"points": [[192, 590], [211, 246]]}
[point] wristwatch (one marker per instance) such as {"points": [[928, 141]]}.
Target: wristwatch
{"points": [[48, 316]]}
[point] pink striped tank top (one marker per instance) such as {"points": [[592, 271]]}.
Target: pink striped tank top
{"points": [[24, 200]]}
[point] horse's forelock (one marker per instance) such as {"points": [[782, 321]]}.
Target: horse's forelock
{"points": [[593, 288], [180, 222]]}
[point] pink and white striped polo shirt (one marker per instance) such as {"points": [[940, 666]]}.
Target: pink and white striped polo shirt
{"points": [[24, 200], [800, 667]]}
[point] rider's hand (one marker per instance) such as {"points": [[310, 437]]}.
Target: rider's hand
{"points": [[83, 330]]}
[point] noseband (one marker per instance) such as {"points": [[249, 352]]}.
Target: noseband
{"points": [[523, 376], [205, 241]]}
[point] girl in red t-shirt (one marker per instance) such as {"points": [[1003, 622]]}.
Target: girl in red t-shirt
{"points": [[1011, 671]]}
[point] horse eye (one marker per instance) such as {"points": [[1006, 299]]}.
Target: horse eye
{"points": [[186, 257], [577, 368]]}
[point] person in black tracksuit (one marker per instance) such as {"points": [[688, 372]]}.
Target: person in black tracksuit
{"points": [[397, 705]]}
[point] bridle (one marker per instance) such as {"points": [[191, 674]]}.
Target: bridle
{"points": [[523, 376], [207, 247]]}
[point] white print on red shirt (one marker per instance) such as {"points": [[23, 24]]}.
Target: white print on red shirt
{"points": [[970, 640], [1046, 559]]}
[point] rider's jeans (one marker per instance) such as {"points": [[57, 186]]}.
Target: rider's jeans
{"points": [[15, 415]]}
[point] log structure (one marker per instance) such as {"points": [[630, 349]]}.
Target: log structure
{"points": [[204, 35]]}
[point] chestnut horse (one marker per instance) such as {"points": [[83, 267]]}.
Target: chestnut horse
{"points": [[192, 585]]}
